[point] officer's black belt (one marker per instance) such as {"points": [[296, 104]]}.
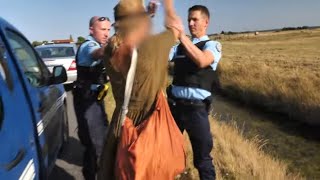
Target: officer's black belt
{"points": [[189, 102], [84, 84]]}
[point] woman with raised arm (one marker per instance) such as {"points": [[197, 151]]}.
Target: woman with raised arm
{"points": [[143, 141]]}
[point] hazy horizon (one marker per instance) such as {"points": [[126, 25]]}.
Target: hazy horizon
{"points": [[48, 20]]}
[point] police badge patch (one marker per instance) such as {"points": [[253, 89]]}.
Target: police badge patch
{"points": [[92, 44], [219, 47]]}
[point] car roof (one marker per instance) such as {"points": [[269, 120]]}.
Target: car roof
{"points": [[55, 45], [6, 24]]}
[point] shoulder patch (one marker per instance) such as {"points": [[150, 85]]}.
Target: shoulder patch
{"points": [[219, 47], [92, 44]]}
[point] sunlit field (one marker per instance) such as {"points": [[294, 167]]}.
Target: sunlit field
{"points": [[278, 71]]}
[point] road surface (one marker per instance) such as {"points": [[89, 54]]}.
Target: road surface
{"points": [[68, 166]]}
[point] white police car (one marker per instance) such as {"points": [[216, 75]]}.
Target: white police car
{"points": [[33, 114], [60, 54]]}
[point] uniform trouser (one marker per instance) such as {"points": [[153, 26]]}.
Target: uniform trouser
{"points": [[92, 128], [194, 119]]}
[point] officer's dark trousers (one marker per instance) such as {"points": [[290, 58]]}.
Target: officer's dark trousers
{"points": [[194, 119], [92, 127]]}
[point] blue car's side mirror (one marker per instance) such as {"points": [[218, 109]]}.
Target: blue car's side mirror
{"points": [[59, 75]]}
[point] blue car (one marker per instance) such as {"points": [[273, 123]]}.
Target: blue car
{"points": [[33, 109]]}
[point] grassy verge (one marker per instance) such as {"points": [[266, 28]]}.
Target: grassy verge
{"points": [[234, 156], [238, 158], [276, 71]]}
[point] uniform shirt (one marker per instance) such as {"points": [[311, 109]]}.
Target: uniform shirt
{"points": [[84, 56], [85, 53], [196, 93]]}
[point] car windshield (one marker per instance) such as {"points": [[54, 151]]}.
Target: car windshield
{"points": [[56, 52]]}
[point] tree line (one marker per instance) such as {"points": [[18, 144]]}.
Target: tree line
{"points": [[283, 29], [80, 40]]}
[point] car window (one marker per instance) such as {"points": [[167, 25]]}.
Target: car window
{"points": [[55, 52], [28, 59], [2, 58], [4, 74], [4, 70]]}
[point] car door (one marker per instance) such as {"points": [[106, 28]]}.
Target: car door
{"points": [[18, 143], [48, 99]]}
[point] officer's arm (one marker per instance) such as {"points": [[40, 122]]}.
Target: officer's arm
{"points": [[172, 21], [201, 58], [98, 53]]}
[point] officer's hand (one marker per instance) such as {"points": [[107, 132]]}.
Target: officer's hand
{"points": [[175, 22], [152, 8]]}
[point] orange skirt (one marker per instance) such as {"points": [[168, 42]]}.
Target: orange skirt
{"points": [[153, 150]]}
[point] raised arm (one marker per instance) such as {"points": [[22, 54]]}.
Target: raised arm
{"points": [[99, 53], [172, 21], [169, 7]]}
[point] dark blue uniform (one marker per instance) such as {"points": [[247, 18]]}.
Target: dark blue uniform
{"points": [[190, 97], [91, 115]]}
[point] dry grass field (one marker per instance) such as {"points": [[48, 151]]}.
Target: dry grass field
{"points": [[278, 71], [234, 156], [238, 158]]}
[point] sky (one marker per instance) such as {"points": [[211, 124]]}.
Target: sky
{"points": [[58, 19]]}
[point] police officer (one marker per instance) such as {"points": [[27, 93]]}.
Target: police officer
{"points": [[90, 112], [190, 94]]}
